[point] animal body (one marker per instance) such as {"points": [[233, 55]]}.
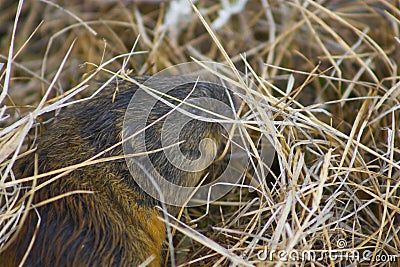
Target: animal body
{"points": [[118, 224]]}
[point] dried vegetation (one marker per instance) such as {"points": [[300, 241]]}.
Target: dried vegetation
{"points": [[326, 71]]}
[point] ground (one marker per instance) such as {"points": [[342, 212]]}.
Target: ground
{"points": [[325, 73]]}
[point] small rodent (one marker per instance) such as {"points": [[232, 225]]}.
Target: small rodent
{"points": [[118, 224]]}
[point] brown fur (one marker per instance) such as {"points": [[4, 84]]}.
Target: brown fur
{"points": [[117, 225]]}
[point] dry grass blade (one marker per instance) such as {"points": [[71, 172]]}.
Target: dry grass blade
{"points": [[325, 96]]}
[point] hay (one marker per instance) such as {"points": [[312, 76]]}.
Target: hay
{"points": [[326, 71]]}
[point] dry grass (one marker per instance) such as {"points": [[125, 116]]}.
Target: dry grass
{"points": [[326, 70]]}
